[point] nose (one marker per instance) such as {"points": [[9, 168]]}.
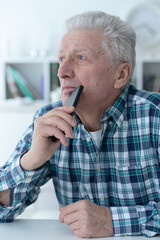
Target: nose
{"points": [[65, 69]]}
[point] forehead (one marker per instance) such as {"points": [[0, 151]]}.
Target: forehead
{"points": [[82, 39]]}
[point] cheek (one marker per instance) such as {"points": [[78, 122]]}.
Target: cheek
{"points": [[95, 78], [89, 77]]}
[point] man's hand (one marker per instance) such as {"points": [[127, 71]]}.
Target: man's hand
{"points": [[56, 122], [87, 220]]}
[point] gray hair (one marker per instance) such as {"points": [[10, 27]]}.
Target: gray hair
{"points": [[119, 38]]}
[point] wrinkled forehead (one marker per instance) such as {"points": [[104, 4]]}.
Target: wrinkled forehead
{"points": [[82, 40]]}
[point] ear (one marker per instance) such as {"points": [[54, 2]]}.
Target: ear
{"points": [[123, 73]]}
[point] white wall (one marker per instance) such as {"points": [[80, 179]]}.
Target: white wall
{"points": [[27, 24]]}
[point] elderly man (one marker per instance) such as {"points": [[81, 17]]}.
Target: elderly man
{"points": [[105, 164]]}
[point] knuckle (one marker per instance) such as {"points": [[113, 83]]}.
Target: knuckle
{"points": [[85, 203], [37, 120], [66, 219]]}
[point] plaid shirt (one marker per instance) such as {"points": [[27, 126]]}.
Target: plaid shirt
{"points": [[122, 174]]}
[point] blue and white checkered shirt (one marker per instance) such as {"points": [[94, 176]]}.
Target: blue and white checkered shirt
{"points": [[122, 174]]}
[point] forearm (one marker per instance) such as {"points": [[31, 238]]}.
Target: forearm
{"points": [[27, 162], [31, 161]]}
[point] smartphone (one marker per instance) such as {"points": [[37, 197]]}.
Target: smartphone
{"points": [[72, 101]]}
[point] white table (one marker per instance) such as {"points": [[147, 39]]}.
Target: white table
{"points": [[45, 230]]}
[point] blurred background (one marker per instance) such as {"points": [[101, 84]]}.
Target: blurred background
{"points": [[30, 33], [38, 24]]}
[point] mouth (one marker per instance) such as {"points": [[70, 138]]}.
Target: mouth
{"points": [[68, 90]]}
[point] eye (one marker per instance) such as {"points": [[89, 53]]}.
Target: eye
{"points": [[61, 59], [81, 57]]}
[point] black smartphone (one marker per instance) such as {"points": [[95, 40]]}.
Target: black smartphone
{"points": [[72, 101]]}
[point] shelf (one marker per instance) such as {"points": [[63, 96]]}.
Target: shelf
{"points": [[39, 74]]}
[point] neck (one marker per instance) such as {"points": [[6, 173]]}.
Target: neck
{"points": [[91, 118], [90, 115], [90, 124]]}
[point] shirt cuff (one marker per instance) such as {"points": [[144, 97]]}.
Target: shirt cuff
{"points": [[15, 173], [125, 221]]}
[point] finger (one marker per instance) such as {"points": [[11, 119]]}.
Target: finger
{"points": [[58, 135], [69, 218], [54, 120], [60, 124], [73, 207], [68, 109], [65, 110], [74, 226], [50, 131]]}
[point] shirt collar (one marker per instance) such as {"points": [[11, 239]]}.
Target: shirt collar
{"points": [[116, 111]]}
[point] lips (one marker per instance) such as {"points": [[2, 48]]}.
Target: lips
{"points": [[67, 90]]}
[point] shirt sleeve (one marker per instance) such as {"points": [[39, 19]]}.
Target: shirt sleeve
{"points": [[24, 185], [136, 220]]}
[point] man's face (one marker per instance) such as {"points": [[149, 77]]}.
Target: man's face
{"points": [[83, 61]]}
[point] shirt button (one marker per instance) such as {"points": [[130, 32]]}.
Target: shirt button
{"points": [[18, 178], [98, 167], [88, 139], [102, 198]]}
